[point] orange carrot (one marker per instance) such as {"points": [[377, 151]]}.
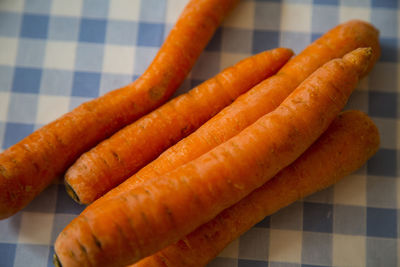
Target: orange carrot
{"points": [[347, 144], [260, 100], [162, 210], [27, 167], [113, 160]]}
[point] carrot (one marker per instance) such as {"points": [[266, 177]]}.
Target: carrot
{"points": [[113, 160], [348, 143], [260, 100], [27, 167], [162, 210]]}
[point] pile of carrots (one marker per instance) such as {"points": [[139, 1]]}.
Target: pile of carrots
{"points": [[173, 184]]}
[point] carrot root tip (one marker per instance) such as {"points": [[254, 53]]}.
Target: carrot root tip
{"points": [[71, 192], [56, 261]]}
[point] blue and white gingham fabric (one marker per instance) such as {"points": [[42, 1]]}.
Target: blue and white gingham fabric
{"points": [[55, 54]]}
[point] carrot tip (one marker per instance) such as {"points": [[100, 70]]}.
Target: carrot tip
{"points": [[56, 261], [71, 192]]}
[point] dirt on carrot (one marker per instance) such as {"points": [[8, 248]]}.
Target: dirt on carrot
{"points": [[162, 210], [27, 167]]}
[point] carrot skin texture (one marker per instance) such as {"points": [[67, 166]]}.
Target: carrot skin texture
{"points": [[348, 143], [260, 100], [113, 160], [162, 210], [27, 167]]}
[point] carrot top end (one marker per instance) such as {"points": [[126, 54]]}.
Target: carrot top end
{"points": [[56, 261], [72, 193]]}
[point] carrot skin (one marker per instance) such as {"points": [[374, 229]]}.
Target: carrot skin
{"points": [[27, 167], [260, 100], [113, 160], [348, 143], [162, 210]]}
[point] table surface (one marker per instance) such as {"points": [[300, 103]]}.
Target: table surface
{"points": [[56, 54]]}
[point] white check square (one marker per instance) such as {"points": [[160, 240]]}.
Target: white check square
{"points": [[8, 50], [67, 8], [51, 108], [4, 100], [12, 5], [174, 9], [285, 246], [60, 55], [349, 13], [241, 16], [296, 17], [351, 191], [36, 228], [124, 9], [119, 59], [348, 250]]}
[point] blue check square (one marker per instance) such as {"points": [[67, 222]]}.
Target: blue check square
{"points": [[215, 42], [389, 49], [35, 26], [27, 80], [265, 223], [93, 30], [382, 104], [15, 132], [222, 262], [382, 222], [252, 263], [65, 204], [86, 84], [150, 34], [263, 40], [383, 163], [7, 254], [317, 217], [392, 4]]}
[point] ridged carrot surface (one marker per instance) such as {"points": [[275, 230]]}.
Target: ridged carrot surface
{"points": [[164, 209], [347, 144], [27, 167], [123, 154], [260, 100]]}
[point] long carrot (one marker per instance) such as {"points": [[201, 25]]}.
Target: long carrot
{"points": [[27, 167], [347, 144], [260, 100], [162, 210], [113, 160]]}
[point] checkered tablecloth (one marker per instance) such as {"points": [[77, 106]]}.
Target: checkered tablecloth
{"points": [[55, 54]]}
